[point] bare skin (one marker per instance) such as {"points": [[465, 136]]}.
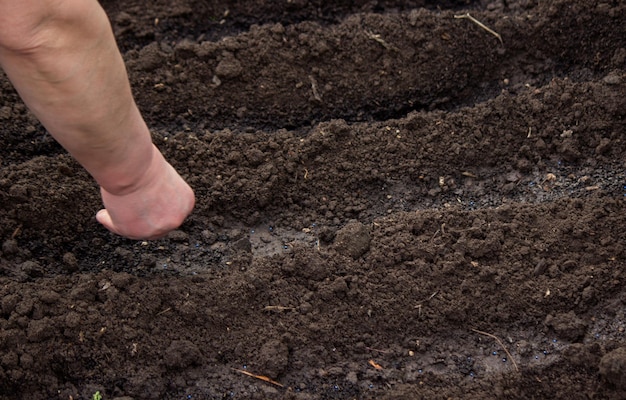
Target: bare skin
{"points": [[62, 58]]}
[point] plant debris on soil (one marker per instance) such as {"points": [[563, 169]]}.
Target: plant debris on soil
{"points": [[394, 201]]}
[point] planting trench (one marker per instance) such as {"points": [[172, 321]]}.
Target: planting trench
{"points": [[392, 203]]}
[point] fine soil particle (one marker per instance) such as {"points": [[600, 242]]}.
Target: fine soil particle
{"points": [[393, 202]]}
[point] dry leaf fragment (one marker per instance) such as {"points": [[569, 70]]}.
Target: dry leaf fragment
{"points": [[373, 364]]}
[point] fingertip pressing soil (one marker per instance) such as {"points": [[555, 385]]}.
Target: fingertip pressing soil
{"points": [[395, 200]]}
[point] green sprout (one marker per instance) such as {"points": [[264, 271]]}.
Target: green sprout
{"points": [[96, 396]]}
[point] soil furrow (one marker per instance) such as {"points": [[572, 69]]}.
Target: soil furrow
{"points": [[391, 204]]}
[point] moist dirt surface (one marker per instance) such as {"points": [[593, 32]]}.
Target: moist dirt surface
{"points": [[393, 202]]}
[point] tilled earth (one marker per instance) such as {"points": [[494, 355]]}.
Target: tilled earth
{"points": [[396, 200]]}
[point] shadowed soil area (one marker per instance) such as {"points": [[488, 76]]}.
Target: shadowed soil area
{"points": [[395, 200]]}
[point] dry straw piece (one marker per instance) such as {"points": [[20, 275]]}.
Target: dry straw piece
{"points": [[477, 22]]}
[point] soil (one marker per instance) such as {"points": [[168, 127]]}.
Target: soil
{"points": [[393, 202]]}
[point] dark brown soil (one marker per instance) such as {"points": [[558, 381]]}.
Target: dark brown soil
{"points": [[392, 204]]}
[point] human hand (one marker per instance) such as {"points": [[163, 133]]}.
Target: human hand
{"points": [[157, 204]]}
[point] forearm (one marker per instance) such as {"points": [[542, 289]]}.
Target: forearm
{"points": [[72, 77]]}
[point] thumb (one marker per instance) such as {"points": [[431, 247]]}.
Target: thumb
{"points": [[105, 219]]}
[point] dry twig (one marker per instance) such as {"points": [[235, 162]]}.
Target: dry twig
{"points": [[316, 93], [377, 38], [261, 377], [278, 308], [380, 351], [16, 232], [477, 22], [501, 345]]}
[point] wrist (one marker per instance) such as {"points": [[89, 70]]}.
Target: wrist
{"points": [[140, 170]]}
